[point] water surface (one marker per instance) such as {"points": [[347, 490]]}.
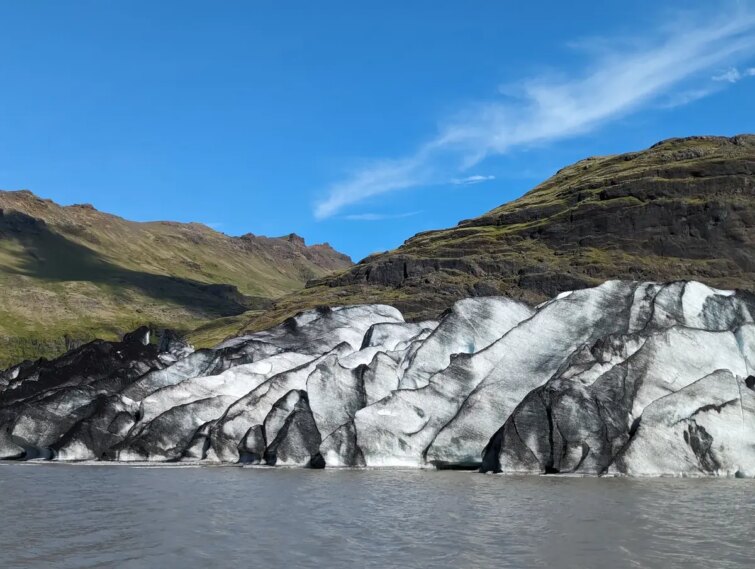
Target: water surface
{"points": [[119, 516]]}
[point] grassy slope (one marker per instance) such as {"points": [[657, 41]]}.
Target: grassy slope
{"points": [[72, 273]]}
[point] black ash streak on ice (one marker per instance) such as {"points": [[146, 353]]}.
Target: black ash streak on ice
{"points": [[642, 379]]}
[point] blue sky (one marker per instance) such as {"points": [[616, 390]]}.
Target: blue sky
{"points": [[356, 123]]}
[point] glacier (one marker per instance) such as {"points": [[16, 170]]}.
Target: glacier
{"points": [[626, 378]]}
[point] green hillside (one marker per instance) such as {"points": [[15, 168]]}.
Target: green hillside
{"points": [[69, 274]]}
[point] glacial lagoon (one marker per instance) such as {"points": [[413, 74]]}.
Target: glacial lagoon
{"points": [[76, 516]]}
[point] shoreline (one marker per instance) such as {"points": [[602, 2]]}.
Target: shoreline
{"points": [[264, 467]]}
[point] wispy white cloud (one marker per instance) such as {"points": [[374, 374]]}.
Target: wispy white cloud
{"points": [[216, 225], [470, 180], [685, 97], [732, 75], [673, 62], [379, 216]]}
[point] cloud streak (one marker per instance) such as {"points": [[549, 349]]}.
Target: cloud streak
{"points": [[733, 75], [379, 216], [471, 180], [544, 109]]}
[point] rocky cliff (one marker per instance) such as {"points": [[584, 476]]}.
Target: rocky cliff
{"points": [[625, 378]]}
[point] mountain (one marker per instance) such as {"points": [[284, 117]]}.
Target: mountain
{"points": [[626, 378], [682, 209], [71, 274]]}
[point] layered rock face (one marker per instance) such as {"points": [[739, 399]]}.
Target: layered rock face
{"points": [[624, 378], [682, 209]]}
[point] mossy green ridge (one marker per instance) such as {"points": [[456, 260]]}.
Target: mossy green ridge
{"points": [[72, 274], [682, 209]]}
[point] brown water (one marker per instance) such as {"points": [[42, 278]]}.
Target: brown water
{"points": [[117, 516]]}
